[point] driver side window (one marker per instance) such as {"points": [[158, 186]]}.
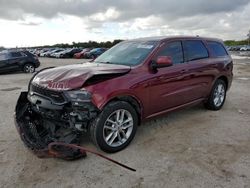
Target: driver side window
{"points": [[173, 50]]}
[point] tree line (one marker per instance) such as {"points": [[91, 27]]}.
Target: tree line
{"points": [[109, 44], [89, 44], [240, 42], [236, 43]]}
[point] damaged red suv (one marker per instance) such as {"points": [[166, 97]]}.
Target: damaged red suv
{"points": [[134, 81]]}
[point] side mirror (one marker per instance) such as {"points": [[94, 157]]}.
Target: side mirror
{"points": [[162, 61]]}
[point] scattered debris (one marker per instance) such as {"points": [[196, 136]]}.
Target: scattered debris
{"points": [[64, 150]]}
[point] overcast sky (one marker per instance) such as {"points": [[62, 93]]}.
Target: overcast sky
{"points": [[40, 22]]}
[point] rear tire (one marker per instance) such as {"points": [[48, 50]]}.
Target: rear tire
{"points": [[28, 68], [217, 96], [115, 127]]}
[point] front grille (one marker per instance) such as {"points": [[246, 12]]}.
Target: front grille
{"points": [[56, 96]]}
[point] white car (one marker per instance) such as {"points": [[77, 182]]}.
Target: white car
{"points": [[245, 48], [58, 55]]}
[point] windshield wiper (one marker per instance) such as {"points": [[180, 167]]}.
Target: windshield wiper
{"points": [[105, 62], [113, 63]]}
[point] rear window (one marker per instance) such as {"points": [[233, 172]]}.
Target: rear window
{"points": [[28, 54], [217, 48], [194, 50]]}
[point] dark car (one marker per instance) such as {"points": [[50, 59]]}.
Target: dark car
{"points": [[70, 53], [18, 60], [94, 53], [134, 81]]}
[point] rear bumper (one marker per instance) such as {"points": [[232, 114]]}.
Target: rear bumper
{"points": [[37, 64]]}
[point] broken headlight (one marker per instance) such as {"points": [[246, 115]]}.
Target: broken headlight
{"points": [[78, 96]]}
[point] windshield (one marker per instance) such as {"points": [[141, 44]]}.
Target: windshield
{"points": [[127, 53]]}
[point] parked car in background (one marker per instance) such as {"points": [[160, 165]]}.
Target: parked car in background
{"points": [[39, 52], [45, 53], [245, 48], [236, 48], [82, 53], [132, 82], [18, 60], [51, 53], [94, 53], [58, 54], [70, 53]]}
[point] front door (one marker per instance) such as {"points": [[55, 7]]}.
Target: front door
{"points": [[15, 59], [197, 57], [169, 86]]}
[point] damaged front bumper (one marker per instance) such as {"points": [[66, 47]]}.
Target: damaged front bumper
{"points": [[41, 123]]}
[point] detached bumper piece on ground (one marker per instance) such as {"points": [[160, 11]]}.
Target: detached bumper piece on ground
{"points": [[46, 139]]}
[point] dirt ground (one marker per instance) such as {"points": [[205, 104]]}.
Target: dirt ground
{"points": [[189, 148]]}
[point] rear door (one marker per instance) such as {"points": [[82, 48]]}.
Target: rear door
{"points": [[15, 60], [200, 73]]}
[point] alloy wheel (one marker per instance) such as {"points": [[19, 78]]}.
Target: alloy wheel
{"points": [[118, 128], [29, 68], [219, 95]]}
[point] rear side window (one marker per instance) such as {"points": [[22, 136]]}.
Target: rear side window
{"points": [[174, 50], [194, 50], [15, 54], [217, 48], [26, 53]]}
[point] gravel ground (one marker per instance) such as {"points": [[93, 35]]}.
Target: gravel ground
{"points": [[189, 148]]}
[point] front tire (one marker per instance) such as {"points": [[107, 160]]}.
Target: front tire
{"points": [[115, 127], [217, 96]]}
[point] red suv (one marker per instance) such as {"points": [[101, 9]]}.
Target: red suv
{"points": [[134, 81]]}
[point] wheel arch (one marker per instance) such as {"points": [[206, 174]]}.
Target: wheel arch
{"points": [[225, 79], [132, 100], [27, 62]]}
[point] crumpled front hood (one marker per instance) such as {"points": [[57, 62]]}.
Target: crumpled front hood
{"points": [[74, 76]]}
